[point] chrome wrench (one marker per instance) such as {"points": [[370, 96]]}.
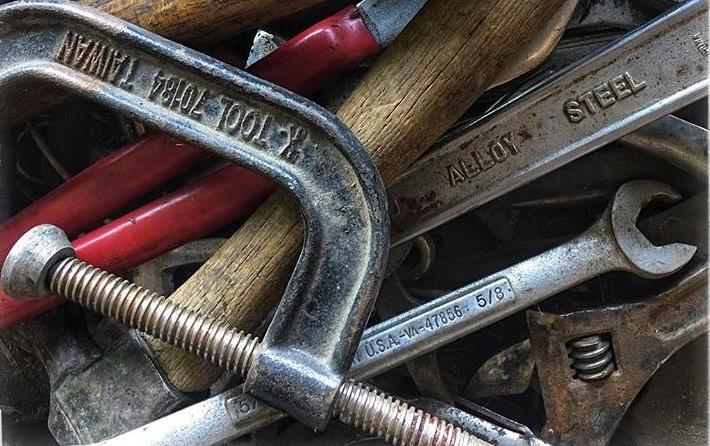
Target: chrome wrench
{"points": [[650, 73], [613, 243]]}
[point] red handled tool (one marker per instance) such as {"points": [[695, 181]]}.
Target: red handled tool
{"points": [[336, 45], [303, 64]]}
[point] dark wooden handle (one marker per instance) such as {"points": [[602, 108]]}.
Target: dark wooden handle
{"points": [[414, 92], [200, 21]]}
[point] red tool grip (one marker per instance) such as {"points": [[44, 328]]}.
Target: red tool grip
{"points": [[304, 64], [320, 54], [182, 216], [99, 190], [154, 229]]}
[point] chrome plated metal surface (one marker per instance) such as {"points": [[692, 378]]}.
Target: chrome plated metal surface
{"points": [[642, 77]]}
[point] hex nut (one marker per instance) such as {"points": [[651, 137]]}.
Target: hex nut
{"points": [[24, 273]]}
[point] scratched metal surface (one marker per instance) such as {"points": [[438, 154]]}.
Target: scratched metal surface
{"points": [[651, 72], [509, 229], [306, 149]]}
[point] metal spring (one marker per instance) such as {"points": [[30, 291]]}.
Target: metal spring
{"points": [[592, 357], [153, 314], [395, 421]]}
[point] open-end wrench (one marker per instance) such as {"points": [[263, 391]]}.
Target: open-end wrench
{"points": [[647, 74], [612, 244]]}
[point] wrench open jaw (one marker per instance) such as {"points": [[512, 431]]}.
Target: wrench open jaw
{"points": [[645, 259], [613, 243]]}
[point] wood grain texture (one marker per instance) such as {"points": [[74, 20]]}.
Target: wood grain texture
{"points": [[200, 21], [413, 93]]}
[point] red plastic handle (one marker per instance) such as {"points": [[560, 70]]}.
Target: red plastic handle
{"points": [[78, 204], [182, 216], [303, 64], [320, 54]]}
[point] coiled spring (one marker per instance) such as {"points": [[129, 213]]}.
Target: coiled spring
{"points": [[592, 357]]}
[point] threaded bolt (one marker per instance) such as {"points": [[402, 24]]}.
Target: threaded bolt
{"points": [[394, 421], [111, 296], [153, 314]]}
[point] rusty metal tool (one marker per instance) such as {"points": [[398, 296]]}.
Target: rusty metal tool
{"points": [[613, 243], [141, 235], [42, 263], [511, 371], [94, 397], [73, 207], [251, 122], [402, 105], [300, 365], [197, 22], [581, 109], [198, 208], [640, 338]]}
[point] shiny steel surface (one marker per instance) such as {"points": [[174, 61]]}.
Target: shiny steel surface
{"points": [[614, 243], [592, 253], [141, 309], [44, 247], [153, 314], [592, 357], [647, 74]]}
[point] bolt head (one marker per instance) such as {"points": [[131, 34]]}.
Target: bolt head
{"points": [[24, 273]]}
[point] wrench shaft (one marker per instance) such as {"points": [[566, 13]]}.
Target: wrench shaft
{"points": [[483, 302], [645, 75]]}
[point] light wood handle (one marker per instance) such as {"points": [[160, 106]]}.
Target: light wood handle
{"points": [[200, 21], [413, 93]]}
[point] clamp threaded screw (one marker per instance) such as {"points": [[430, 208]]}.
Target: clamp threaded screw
{"points": [[153, 314], [139, 308], [395, 421]]}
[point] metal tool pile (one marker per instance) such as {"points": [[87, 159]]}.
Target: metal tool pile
{"points": [[538, 276]]}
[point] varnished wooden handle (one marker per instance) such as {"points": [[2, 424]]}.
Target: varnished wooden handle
{"points": [[200, 21], [414, 92]]}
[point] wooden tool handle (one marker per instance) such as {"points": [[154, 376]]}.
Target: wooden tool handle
{"points": [[414, 92], [200, 21]]}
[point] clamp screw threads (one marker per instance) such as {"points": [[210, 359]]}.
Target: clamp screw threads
{"points": [[153, 314], [139, 308], [394, 421]]}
